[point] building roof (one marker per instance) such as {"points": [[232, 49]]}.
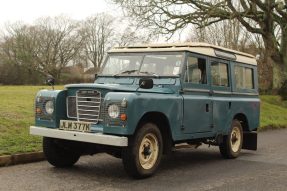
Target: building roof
{"points": [[196, 47]]}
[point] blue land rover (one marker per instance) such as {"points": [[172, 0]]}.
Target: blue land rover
{"points": [[148, 99]]}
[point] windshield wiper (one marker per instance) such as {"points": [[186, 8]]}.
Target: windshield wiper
{"points": [[132, 71], [149, 73], [126, 72]]}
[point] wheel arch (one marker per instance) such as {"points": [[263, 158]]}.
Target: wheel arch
{"points": [[163, 124], [243, 121]]}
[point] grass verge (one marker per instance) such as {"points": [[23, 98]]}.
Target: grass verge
{"points": [[273, 112], [16, 115]]}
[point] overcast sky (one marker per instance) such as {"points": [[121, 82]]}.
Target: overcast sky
{"points": [[30, 10]]}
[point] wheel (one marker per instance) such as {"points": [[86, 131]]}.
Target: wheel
{"points": [[58, 155], [232, 143], [143, 155]]}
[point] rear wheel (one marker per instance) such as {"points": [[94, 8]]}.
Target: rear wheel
{"points": [[143, 155], [232, 143], [57, 154]]}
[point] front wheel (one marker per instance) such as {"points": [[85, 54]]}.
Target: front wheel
{"points": [[57, 154], [232, 143], [143, 155]]}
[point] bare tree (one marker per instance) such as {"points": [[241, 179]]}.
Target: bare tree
{"points": [[228, 33], [130, 37], [98, 33], [16, 56], [51, 44], [57, 43], [47, 47], [131, 34], [264, 17]]}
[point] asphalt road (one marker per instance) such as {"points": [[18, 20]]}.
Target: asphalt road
{"points": [[191, 169]]}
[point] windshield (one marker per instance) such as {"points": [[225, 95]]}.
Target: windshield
{"points": [[148, 64]]}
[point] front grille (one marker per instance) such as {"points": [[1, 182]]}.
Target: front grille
{"points": [[85, 106], [72, 107]]}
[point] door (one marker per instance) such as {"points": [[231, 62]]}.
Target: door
{"points": [[222, 97], [197, 112]]}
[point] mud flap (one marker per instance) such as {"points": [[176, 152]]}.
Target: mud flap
{"points": [[249, 141]]}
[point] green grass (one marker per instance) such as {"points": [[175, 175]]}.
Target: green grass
{"points": [[273, 112], [17, 114]]}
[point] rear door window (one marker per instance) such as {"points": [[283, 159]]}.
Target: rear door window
{"points": [[219, 74]]}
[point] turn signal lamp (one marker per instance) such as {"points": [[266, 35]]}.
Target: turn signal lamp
{"points": [[38, 110], [124, 117]]}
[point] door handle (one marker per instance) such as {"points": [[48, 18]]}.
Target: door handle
{"points": [[207, 107]]}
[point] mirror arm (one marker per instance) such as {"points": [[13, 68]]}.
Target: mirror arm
{"points": [[51, 81]]}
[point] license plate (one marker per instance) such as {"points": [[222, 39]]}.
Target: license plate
{"points": [[75, 126]]}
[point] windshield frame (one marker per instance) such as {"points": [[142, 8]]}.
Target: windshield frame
{"points": [[143, 54]]}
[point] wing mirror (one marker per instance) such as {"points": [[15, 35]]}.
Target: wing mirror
{"points": [[146, 83], [50, 81]]}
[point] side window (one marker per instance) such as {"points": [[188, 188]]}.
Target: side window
{"points": [[244, 78], [219, 74], [196, 71]]}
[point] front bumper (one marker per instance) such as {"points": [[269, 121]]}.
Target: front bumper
{"points": [[98, 138]]}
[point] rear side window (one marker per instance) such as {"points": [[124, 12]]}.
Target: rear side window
{"points": [[244, 78], [219, 74]]}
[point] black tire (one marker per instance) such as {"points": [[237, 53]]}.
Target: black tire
{"points": [[141, 165], [232, 143], [58, 155]]}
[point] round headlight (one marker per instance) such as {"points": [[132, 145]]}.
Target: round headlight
{"points": [[49, 107], [114, 111]]}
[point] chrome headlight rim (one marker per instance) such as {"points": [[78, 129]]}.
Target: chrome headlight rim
{"points": [[49, 107], [113, 111]]}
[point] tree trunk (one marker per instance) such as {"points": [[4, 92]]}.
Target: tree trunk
{"points": [[265, 68], [273, 62], [283, 49]]}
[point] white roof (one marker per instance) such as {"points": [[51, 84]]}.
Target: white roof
{"points": [[196, 47]]}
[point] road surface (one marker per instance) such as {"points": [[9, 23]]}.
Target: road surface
{"points": [[189, 169]]}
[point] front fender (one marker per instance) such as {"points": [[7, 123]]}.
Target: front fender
{"points": [[59, 99], [141, 103]]}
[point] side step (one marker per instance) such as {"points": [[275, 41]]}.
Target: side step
{"points": [[186, 146]]}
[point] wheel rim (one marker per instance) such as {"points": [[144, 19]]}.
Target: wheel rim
{"points": [[148, 151], [235, 139]]}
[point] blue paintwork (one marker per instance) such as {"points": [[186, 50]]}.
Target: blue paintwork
{"points": [[60, 107], [124, 88], [141, 103], [183, 104]]}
